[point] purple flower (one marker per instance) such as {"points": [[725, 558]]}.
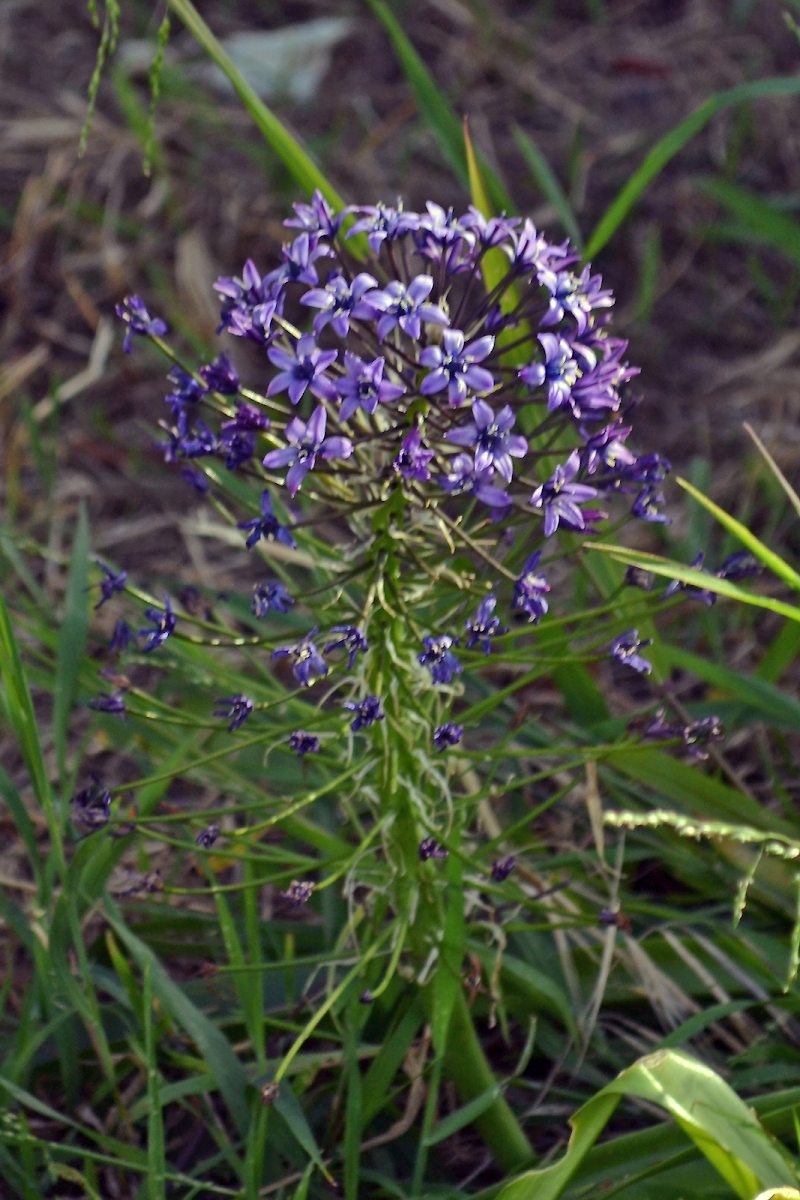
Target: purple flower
{"points": [[307, 440], [560, 371], [577, 295], [464, 477], [445, 240], [164, 623], [183, 442], [606, 446], [644, 507], [352, 639], [559, 497], [239, 446], [122, 636], [412, 460], [502, 868], [186, 390], [302, 370], [341, 302], [430, 848], [363, 386], [316, 217], [649, 469], [701, 733], [739, 565], [133, 312], [454, 367], [303, 743], [221, 376], [108, 702], [206, 837], [236, 709], [406, 307], [489, 433], [247, 418], [530, 589], [490, 231], [596, 391], [531, 250], [703, 594], [624, 649], [248, 304], [447, 735], [438, 656], [92, 806], [483, 626], [305, 658], [112, 583], [268, 596], [267, 526], [299, 257], [382, 223], [298, 893], [196, 479], [367, 711]]}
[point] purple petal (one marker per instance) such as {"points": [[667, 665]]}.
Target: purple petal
{"points": [[280, 458], [337, 447], [315, 429], [479, 349], [435, 382], [279, 358], [297, 389], [479, 379], [420, 287], [297, 473]]}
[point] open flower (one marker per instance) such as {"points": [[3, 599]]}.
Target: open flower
{"points": [[560, 497], [406, 307], [489, 433], [483, 626], [438, 656], [133, 312], [267, 526], [235, 708], [465, 477], [363, 386], [307, 440], [559, 371], [303, 369], [306, 659], [454, 367], [340, 302], [530, 589], [164, 623], [626, 647], [412, 460]]}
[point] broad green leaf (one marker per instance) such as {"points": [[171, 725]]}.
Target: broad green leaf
{"points": [[215, 1048], [690, 575], [762, 222], [671, 143], [71, 637], [436, 109], [548, 184], [721, 1125]]}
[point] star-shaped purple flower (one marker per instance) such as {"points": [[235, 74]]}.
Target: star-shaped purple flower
{"points": [[269, 596], [133, 312], [625, 650], [483, 626], [406, 307], [530, 589], [606, 446], [367, 711], [267, 526], [438, 656], [531, 250], [490, 231], [303, 369], [577, 295], [559, 371], [306, 659], [363, 386], [248, 304], [316, 217], [235, 709], [489, 433], [113, 582], [445, 240], [383, 224], [447, 735], [412, 459], [164, 624], [465, 477], [341, 302], [454, 367], [299, 257], [560, 497], [307, 440], [351, 638]]}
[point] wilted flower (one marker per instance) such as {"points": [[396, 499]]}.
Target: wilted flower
{"points": [[92, 806], [299, 892], [113, 582], [502, 868], [109, 702], [133, 312], [739, 565], [303, 743], [704, 594], [447, 735], [122, 636], [236, 709]]}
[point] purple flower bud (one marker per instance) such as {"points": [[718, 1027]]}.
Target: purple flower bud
{"points": [[303, 743], [133, 312], [122, 636], [206, 837], [447, 735], [196, 479], [503, 868], [108, 702], [430, 848]]}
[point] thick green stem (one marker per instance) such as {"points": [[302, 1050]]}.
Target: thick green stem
{"points": [[466, 1064]]}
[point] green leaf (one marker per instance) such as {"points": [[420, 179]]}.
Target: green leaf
{"points": [[156, 1162], [71, 638], [763, 223], [548, 184], [19, 815], [378, 1079], [287, 1104], [698, 579], [230, 1075], [465, 1115], [723, 1127], [436, 109], [671, 143]]}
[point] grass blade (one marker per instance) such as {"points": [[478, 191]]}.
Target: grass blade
{"points": [[71, 638], [674, 141], [156, 1164], [771, 705], [548, 184], [758, 219], [436, 109], [773, 466]]}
